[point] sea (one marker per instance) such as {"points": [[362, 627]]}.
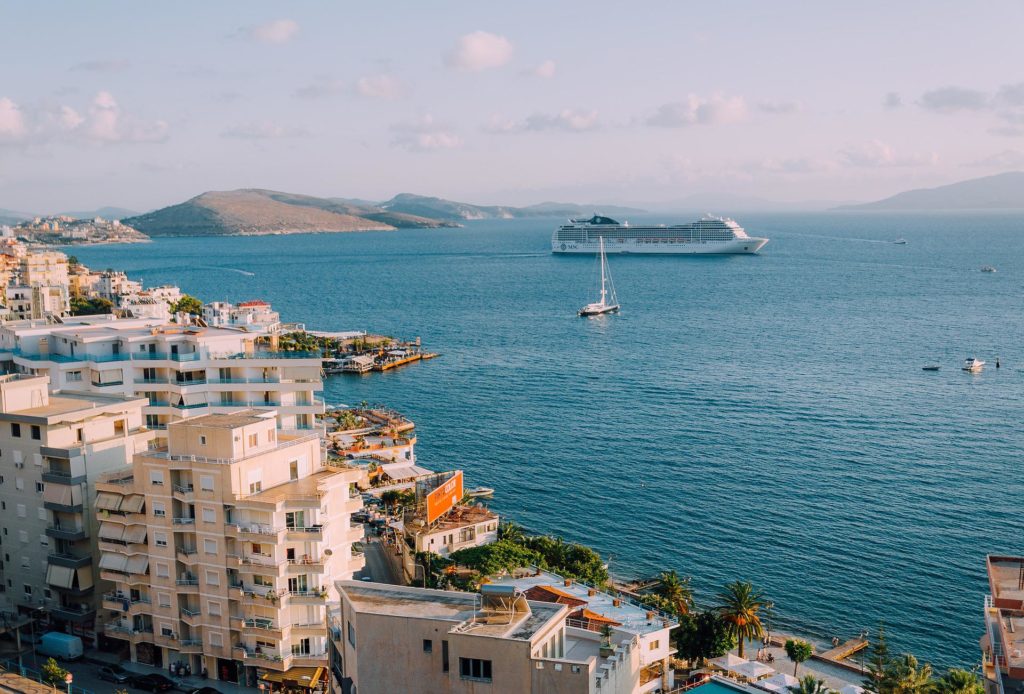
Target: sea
{"points": [[763, 418]]}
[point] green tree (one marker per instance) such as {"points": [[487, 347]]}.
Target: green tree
{"points": [[676, 592], [72, 261], [957, 681], [904, 675], [798, 651], [740, 605], [82, 306], [52, 672], [703, 635], [511, 531], [187, 304], [809, 684], [497, 557], [877, 662]]}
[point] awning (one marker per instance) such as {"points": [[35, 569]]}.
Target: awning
{"points": [[304, 677], [779, 682], [111, 531], [135, 534], [84, 577], [133, 503], [105, 501], [753, 670], [60, 576], [138, 564], [113, 562], [60, 494], [728, 661], [403, 471]]}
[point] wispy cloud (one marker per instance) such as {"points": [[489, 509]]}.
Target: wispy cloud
{"points": [[697, 110], [953, 99], [321, 88], [778, 107], [277, 31], [545, 71], [878, 154], [113, 65], [892, 100], [262, 130], [480, 50], [380, 86], [424, 134], [103, 122], [567, 120]]}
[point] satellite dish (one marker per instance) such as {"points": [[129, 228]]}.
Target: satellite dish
{"points": [[328, 552]]}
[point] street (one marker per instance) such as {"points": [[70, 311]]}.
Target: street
{"points": [[378, 567]]}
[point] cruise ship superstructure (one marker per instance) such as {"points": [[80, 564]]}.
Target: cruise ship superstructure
{"points": [[708, 235]]}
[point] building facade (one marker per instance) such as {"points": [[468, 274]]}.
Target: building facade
{"points": [[224, 548], [52, 448]]}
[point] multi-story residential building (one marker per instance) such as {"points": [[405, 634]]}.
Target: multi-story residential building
{"points": [[52, 447], [224, 547], [47, 269], [388, 639], [36, 301], [591, 610], [183, 371], [1003, 642], [250, 315], [461, 527], [112, 284]]}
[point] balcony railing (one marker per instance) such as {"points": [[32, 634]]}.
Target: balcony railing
{"points": [[187, 582], [69, 560], [185, 521]]}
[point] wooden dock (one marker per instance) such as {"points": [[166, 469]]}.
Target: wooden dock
{"points": [[409, 359], [836, 656]]}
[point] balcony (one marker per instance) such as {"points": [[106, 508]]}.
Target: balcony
{"points": [[191, 646], [70, 533], [252, 531], [188, 585], [306, 565], [184, 493], [312, 533], [301, 629], [72, 614], [185, 520], [63, 508], [191, 617], [169, 640], [69, 560], [186, 555], [262, 627], [277, 355], [123, 631], [106, 384], [60, 477], [306, 597]]}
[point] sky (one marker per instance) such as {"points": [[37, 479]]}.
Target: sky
{"points": [[142, 105]]}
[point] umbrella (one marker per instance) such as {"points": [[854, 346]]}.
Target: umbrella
{"points": [[779, 682], [753, 670], [728, 662]]}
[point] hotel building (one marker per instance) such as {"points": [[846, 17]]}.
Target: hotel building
{"points": [[225, 546], [52, 448], [1003, 642]]}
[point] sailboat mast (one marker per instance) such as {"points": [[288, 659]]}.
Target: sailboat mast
{"points": [[604, 291]]}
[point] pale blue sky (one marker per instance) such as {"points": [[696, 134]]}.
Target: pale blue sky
{"points": [[145, 104]]}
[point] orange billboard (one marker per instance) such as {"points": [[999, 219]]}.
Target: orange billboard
{"points": [[441, 500]]}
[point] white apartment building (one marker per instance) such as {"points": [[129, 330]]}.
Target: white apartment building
{"points": [[52, 447], [27, 302], [387, 639], [225, 546], [251, 315], [112, 284], [183, 371], [46, 269], [460, 528]]}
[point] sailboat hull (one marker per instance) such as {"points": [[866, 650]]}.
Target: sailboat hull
{"points": [[588, 311]]}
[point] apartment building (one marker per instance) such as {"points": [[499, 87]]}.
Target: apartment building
{"points": [[182, 371], [255, 314], [52, 447], [225, 546], [384, 637], [1003, 642], [36, 301], [462, 527], [44, 269], [112, 284]]}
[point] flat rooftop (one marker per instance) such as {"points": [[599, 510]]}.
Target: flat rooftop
{"points": [[1006, 578], [63, 404], [632, 618], [306, 487], [458, 517], [461, 609], [231, 420]]}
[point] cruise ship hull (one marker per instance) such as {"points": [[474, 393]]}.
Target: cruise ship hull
{"points": [[743, 246]]}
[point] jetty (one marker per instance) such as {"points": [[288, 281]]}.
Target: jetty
{"points": [[838, 656]]}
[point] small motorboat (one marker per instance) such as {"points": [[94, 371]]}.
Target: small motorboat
{"points": [[987, 268], [973, 365], [900, 242], [930, 367], [478, 492]]}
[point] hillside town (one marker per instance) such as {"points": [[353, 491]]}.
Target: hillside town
{"points": [[65, 230], [180, 504]]}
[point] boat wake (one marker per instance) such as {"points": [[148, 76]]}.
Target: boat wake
{"points": [[226, 269]]}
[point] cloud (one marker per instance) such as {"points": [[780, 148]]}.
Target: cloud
{"points": [[696, 110], [953, 99], [568, 120], [103, 122], [262, 130], [1007, 159], [380, 86], [877, 154], [321, 89], [793, 166], [778, 107], [479, 51], [115, 65], [424, 134], [276, 31], [545, 70], [892, 100], [1010, 95], [1007, 131]]}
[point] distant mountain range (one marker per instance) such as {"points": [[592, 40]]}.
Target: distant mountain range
{"points": [[13, 217], [253, 211], [1000, 192]]}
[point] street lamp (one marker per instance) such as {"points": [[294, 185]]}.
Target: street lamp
{"points": [[68, 679]]}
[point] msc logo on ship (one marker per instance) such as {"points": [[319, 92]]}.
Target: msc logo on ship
{"points": [[563, 246]]}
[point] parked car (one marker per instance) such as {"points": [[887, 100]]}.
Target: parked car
{"points": [[151, 683], [205, 690], [113, 673]]}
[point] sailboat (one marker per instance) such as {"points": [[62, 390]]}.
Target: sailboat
{"points": [[607, 291]]}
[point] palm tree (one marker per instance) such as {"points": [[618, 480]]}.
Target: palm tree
{"points": [[810, 685], [676, 591], [511, 531], [740, 604], [904, 675], [957, 681]]}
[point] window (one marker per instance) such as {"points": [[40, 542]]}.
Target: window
{"points": [[254, 440], [39, 487], [351, 635], [21, 510], [263, 581], [475, 669], [42, 513], [159, 510], [212, 578], [23, 535], [654, 645], [28, 589], [216, 639], [36, 432], [160, 539], [558, 667], [202, 440], [163, 571], [210, 546], [428, 646], [213, 608], [444, 656], [209, 515], [166, 630], [163, 600], [577, 669], [74, 376], [19, 483], [15, 430], [293, 470], [156, 477], [206, 483]]}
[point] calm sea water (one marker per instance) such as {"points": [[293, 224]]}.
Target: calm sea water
{"points": [[762, 418]]}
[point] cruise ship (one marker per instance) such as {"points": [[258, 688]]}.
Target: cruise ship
{"points": [[708, 235]]}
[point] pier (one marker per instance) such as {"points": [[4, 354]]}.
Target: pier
{"points": [[837, 656]]}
